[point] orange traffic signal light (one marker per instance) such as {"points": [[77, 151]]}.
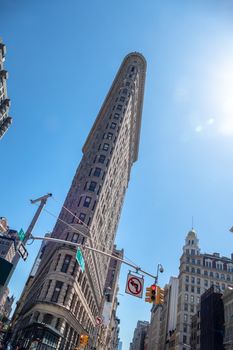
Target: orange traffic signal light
{"points": [[159, 296], [83, 339], [151, 294]]}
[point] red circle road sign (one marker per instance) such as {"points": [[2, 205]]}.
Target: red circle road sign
{"points": [[98, 320], [134, 285]]}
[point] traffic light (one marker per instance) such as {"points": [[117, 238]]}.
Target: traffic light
{"points": [[159, 296], [83, 339], [150, 294]]}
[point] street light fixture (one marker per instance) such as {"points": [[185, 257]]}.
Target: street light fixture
{"points": [[159, 269]]}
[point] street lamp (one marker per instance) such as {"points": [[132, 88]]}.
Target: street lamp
{"points": [[159, 269]]}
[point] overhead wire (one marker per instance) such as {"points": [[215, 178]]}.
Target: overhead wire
{"points": [[88, 228], [80, 232]]}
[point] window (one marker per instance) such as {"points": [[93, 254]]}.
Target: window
{"points": [[186, 297], [105, 146], [222, 276], [47, 319], [192, 299], [192, 308], [193, 261], [57, 291], [198, 300], [206, 273], [217, 275], [127, 83], [97, 172], [187, 268], [185, 307], [198, 271], [228, 278], [82, 218], [186, 288], [116, 116], [101, 158], [185, 317], [113, 126], [92, 186], [185, 328], [198, 280], [192, 251], [198, 290], [219, 266], [193, 270], [223, 286], [192, 289], [192, 279], [75, 237], [122, 98], [66, 263], [211, 274], [109, 135], [186, 278], [87, 202], [206, 283]]}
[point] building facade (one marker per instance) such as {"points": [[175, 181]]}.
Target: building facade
{"points": [[155, 327], [228, 312], [111, 330], [63, 302], [163, 318], [169, 314], [212, 320], [139, 336], [5, 120], [198, 272]]}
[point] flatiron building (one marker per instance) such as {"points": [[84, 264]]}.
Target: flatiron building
{"points": [[63, 302]]}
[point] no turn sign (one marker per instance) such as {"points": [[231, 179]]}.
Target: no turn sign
{"points": [[134, 285], [98, 320]]}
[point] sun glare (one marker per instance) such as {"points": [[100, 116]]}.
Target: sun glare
{"points": [[222, 97]]}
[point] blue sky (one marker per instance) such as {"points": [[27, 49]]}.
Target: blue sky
{"points": [[62, 57]]}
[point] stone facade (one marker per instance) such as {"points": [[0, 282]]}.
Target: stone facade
{"points": [[139, 336], [163, 318], [5, 120], [197, 273], [63, 302], [155, 328]]}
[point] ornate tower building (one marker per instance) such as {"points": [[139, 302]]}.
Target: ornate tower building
{"points": [[198, 272], [63, 302]]}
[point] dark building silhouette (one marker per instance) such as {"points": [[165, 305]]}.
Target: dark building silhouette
{"points": [[212, 320]]}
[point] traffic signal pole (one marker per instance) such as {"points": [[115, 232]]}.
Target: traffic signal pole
{"points": [[84, 246]]}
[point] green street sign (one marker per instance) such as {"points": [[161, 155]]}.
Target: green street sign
{"points": [[80, 259], [21, 234]]}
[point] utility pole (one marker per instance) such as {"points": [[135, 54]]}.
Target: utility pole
{"points": [[15, 260], [42, 201]]}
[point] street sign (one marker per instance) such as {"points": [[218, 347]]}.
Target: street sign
{"points": [[21, 234], [134, 285], [80, 259], [98, 320], [22, 251]]}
